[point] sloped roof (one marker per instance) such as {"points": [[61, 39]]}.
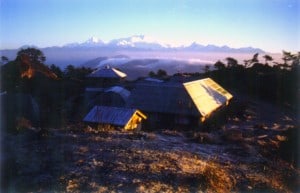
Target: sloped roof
{"points": [[109, 115], [162, 98], [196, 98], [107, 72], [124, 93], [207, 95]]}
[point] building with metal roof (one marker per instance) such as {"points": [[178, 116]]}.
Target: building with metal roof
{"points": [[179, 103], [121, 91], [207, 95], [115, 96], [107, 72], [105, 77], [126, 118]]}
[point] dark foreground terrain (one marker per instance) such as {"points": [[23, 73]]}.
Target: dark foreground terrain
{"points": [[253, 152]]}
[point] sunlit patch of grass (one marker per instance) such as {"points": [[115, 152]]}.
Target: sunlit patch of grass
{"points": [[261, 181], [72, 186], [218, 179], [157, 186], [98, 129], [215, 177]]}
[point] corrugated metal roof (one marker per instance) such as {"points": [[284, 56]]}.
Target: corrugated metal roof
{"points": [[109, 115], [124, 93], [107, 72], [207, 95], [162, 98], [196, 98]]}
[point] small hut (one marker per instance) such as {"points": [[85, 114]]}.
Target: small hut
{"points": [[128, 119], [106, 77]]}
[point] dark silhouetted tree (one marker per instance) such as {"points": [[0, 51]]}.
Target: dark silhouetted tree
{"points": [[34, 55], [206, 68], [251, 61], [56, 70], [296, 61], [287, 57], [4, 60], [151, 74], [161, 73], [69, 71], [267, 58], [231, 62], [219, 65], [255, 58]]}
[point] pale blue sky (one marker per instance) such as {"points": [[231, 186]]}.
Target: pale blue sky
{"points": [[272, 25]]}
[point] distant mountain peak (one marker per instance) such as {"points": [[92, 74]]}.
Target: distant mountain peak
{"points": [[138, 42], [91, 42], [194, 45], [138, 38], [94, 40]]}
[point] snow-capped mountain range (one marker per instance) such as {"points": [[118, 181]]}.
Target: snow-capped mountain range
{"points": [[137, 41], [91, 42], [137, 46], [141, 42]]}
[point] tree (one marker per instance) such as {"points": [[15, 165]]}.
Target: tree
{"points": [[246, 63], [31, 61], [231, 62], [69, 71], [56, 70], [252, 61], [290, 61], [4, 60], [296, 61], [254, 58], [287, 57], [151, 74], [219, 65], [267, 58], [82, 72], [161, 73], [206, 68], [34, 55]]}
